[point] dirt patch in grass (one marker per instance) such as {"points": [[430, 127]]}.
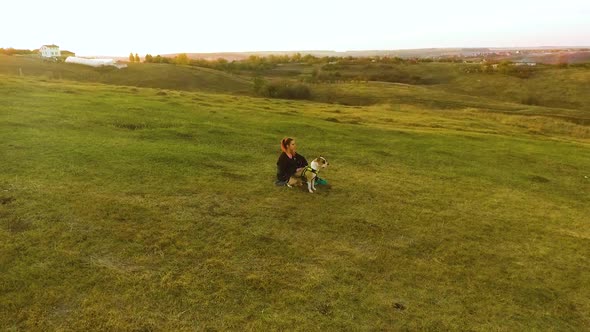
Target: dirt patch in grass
{"points": [[131, 126], [7, 200], [17, 225], [399, 306]]}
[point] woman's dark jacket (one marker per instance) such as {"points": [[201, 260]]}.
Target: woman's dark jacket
{"points": [[287, 166]]}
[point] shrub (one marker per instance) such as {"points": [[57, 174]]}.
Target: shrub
{"points": [[283, 89], [530, 100]]}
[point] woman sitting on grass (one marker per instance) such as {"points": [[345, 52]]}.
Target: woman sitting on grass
{"points": [[289, 161]]}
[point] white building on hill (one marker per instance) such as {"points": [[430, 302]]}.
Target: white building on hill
{"points": [[49, 51], [94, 62]]}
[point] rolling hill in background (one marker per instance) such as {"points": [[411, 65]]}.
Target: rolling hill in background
{"points": [[544, 55], [549, 55], [141, 75]]}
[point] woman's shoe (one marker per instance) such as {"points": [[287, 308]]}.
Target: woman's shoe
{"points": [[321, 181], [280, 183]]}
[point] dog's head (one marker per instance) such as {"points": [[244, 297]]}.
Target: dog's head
{"points": [[322, 162]]}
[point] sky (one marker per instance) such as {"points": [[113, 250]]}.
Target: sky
{"points": [[116, 28]]}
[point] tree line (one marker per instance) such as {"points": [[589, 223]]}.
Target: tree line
{"points": [[259, 63], [13, 51]]}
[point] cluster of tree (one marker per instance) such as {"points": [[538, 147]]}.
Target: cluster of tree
{"points": [[181, 59], [450, 59], [503, 67], [13, 51], [156, 59], [517, 71], [134, 58], [259, 64], [255, 63], [282, 89], [373, 60], [530, 100]]}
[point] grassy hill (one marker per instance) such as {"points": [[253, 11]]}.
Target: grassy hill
{"points": [[128, 208], [547, 86], [397, 96], [143, 75]]}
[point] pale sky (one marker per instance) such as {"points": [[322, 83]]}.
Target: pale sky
{"points": [[109, 27]]}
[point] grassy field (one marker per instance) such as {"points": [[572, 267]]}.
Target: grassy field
{"points": [[396, 96], [551, 87], [125, 208], [547, 86]]}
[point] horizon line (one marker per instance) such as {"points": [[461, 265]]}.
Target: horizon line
{"points": [[372, 50]]}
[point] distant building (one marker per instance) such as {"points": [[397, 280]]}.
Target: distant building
{"points": [[94, 62], [49, 51]]}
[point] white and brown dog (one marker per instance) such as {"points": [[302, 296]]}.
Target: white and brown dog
{"points": [[308, 174]]}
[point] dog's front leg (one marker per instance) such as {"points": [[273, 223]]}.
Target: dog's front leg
{"points": [[313, 183], [310, 185]]}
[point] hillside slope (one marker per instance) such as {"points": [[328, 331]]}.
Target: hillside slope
{"points": [[126, 208], [143, 75]]}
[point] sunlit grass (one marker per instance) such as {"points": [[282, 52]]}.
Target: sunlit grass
{"points": [[127, 208]]}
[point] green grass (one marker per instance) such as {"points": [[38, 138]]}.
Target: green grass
{"points": [[397, 96], [127, 209]]}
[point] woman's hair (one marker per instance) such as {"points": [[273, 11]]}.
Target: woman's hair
{"points": [[285, 142]]}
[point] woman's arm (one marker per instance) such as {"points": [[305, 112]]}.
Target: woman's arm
{"points": [[301, 162]]}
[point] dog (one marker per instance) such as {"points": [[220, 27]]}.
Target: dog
{"points": [[308, 173]]}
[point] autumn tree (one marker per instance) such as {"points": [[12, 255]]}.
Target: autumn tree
{"points": [[181, 59]]}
